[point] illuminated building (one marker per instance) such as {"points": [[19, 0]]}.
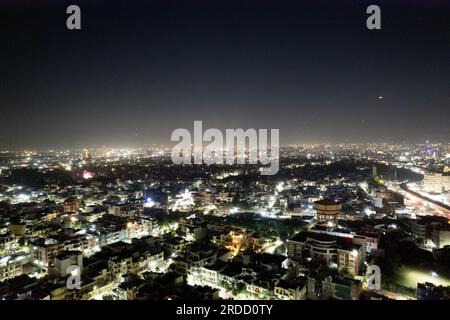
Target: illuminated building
{"points": [[71, 205], [66, 259], [184, 202], [86, 155], [329, 249], [436, 182], [43, 251], [199, 255], [341, 288], [128, 289], [8, 241], [194, 229], [432, 231], [210, 274], [124, 209], [428, 291], [9, 268], [87, 174], [370, 239], [239, 240], [123, 258], [350, 257], [327, 210], [17, 229], [291, 290]]}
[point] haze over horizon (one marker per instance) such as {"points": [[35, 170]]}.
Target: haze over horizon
{"points": [[134, 73]]}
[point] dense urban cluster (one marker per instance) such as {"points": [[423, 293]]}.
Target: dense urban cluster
{"points": [[127, 224]]}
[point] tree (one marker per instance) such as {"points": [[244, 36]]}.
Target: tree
{"points": [[22, 241], [238, 288], [344, 271], [225, 285]]}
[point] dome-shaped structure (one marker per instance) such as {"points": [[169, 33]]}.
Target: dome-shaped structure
{"points": [[327, 210]]}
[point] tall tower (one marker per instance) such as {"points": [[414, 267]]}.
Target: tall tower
{"points": [[86, 155], [374, 172]]}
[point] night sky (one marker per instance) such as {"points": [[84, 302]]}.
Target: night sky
{"points": [[139, 69]]}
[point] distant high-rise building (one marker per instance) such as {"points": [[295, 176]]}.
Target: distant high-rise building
{"points": [[86, 155], [374, 172]]}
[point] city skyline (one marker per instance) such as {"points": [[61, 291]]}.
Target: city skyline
{"points": [[227, 155]]}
